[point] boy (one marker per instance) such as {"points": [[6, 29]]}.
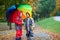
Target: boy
{"points": [[29, 24]]}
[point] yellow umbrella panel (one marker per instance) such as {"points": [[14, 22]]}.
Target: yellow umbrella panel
{"points": [[25, 8]]}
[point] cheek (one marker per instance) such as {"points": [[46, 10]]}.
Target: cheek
{"points": [[20, 14], [27, 15]]}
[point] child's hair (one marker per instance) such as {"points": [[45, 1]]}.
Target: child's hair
{"points": [[27, 13]]}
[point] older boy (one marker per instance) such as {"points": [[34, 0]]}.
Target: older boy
{"points": [[29, 24]]}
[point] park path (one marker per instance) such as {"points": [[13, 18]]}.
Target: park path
{"points": [[39, 34]]}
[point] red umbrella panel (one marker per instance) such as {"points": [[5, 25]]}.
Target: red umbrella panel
{"points": [[12, 16]]}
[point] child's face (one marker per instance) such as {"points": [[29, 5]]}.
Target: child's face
{"points": [[27, 15]]}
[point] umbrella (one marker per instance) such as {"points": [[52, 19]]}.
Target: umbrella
{"points": [[25, 8], [10, 9], [12, 16]]}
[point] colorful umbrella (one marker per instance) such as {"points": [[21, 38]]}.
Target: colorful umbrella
{"points": [[10, 9], [25, 8], [13, 15]]}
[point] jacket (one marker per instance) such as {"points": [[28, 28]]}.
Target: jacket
{"points": [[28, 23]]}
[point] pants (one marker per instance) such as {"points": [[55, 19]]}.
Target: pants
{"points": [[18, 39], [30, 35], [18, 32]]}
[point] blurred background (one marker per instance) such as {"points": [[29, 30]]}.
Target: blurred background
{"points": [[46, 14]]}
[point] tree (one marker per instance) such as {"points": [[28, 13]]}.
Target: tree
{"points": [[57, 13], [45, 7]]}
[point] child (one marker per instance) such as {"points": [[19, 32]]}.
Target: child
{"points": [[29, 23], [18, 25]]}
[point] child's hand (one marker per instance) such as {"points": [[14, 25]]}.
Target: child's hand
{"points": [[22, 23], [24, 28], [32, 27]]}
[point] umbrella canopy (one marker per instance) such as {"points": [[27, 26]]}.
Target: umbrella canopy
{"points": [[25, 8], [10, 9], [13, 15]]}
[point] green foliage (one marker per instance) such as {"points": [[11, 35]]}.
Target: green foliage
{"points": [[45, 7], [1, 2], [57, 13], [50, 24]]}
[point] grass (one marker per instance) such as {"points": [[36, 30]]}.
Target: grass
{"points": [[50, 24]]}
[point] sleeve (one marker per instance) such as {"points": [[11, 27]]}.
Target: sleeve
{"points": [[33, 24], [17, 21]]}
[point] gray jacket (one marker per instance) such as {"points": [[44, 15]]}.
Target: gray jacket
{"points": [[28, 23]]}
